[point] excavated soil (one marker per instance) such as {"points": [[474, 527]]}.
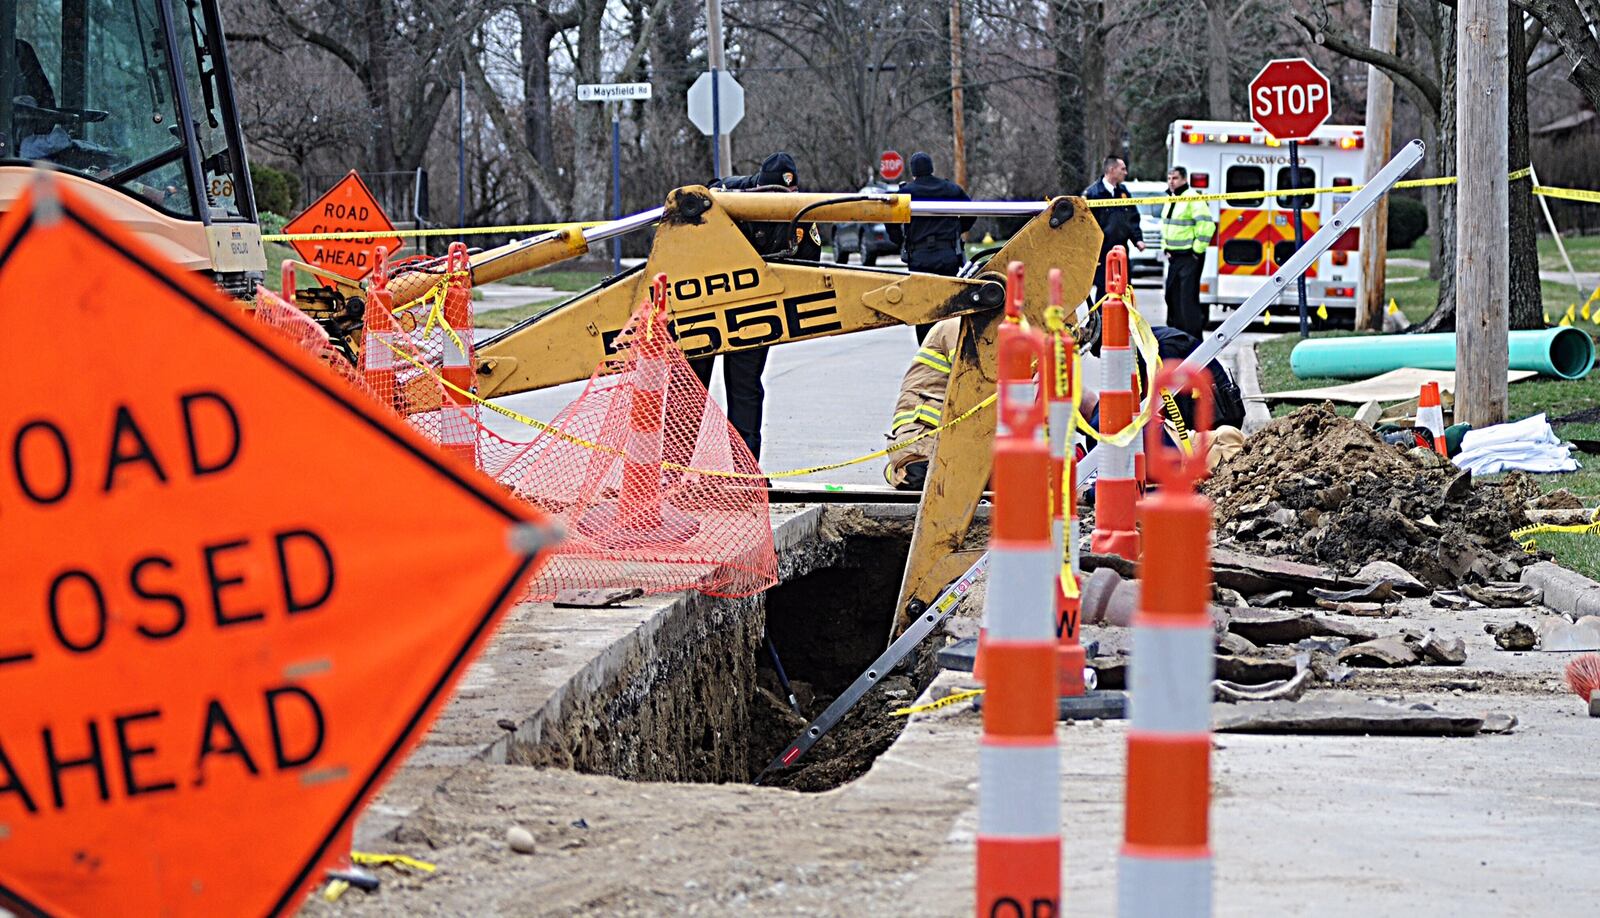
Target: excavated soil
{"points": [[1316, 487]]}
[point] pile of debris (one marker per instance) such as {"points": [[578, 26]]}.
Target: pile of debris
{"points": [[1321, 488]]}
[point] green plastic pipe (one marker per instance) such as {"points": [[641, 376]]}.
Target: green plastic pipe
{"points": [[1563, 352]]}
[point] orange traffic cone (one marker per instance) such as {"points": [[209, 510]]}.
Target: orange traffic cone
{"points": [[1431, 416]]}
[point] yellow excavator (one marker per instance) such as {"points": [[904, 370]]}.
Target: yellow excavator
{"points": [[724, 297], [132, 102]]}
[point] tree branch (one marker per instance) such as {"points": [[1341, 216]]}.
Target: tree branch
{"points": [[324, 41], [510, 131], [1390, 63], [634, 56], [1572, 33]]}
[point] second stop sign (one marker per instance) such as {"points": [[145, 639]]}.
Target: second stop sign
{"points": [[1289, 98]]}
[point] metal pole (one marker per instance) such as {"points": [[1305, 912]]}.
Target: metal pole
{"points": [[1533, 176], [716, 123], [1299, 232], [616, 185], [720, 151], [461, 152]]}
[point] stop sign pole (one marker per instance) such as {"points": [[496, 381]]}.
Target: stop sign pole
{"points": [[1289, 99]]}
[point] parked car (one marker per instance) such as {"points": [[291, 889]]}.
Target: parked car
{"points": [[1148, 261], [869, 240]]}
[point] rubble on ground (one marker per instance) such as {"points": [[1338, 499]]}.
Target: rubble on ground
{"points": [[1319, 488]]}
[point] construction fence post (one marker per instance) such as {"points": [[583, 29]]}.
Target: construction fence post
{"points": [[1062, 399], [1116, 490], [1019, 803], [458, 416], [1165, 867]]}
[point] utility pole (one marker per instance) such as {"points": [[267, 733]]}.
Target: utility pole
{"points": [[722, 157], [461, 151], [1483, 269], [1380, 128], [958, 111]]}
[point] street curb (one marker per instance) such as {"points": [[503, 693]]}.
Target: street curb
{"points": [[1248, 378], [1564, 590]]}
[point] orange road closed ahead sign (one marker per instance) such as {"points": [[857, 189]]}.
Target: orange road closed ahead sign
{"points": [[348, 207], [214, 641]]}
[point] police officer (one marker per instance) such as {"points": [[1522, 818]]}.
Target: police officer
{"points": [[1118, 225], [1186, 230], [741, 370], [931, 245]]}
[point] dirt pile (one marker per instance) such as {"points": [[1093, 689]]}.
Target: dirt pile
{"points": [[1316, 487]]}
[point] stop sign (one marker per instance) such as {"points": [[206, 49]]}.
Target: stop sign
{"points": [[1289, 98], [890, 165]]}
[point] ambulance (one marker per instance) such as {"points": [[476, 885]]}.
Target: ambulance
{"points": [[1255, 236]]}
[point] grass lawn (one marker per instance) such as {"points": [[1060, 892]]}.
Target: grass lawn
{"points": [[1573, 550], [567, 280], [1583, 250], [505, 318]]}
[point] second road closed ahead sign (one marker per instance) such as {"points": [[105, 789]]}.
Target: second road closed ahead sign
{"points": [[214, 643], [348, 207]]}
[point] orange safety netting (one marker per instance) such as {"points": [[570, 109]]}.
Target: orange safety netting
{"points": [[652, 485], [643, 469]]}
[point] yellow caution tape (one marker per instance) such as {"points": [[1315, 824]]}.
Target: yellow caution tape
{"points": [[408, 234], [945, 702], [1525, 534], [673, 466], [368, 859], [1572, 193], [1144, 340], [1569, 194]]}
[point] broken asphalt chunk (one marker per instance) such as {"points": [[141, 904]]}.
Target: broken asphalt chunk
{"points": [[1383, 652], [1395, 574], [1318, 716], [1382, 591], [1513, 636], [1443, 651], [1504, 594]]}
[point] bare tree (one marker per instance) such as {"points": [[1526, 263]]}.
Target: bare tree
{"points": [[1425, 71]]}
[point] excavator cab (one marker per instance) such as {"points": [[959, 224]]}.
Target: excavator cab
{"points": [[131, 102]]}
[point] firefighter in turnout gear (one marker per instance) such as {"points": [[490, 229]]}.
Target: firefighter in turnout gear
{"points": [[920, 405], [1186, 231]]}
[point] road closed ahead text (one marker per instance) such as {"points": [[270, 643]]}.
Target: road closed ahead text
{"points": [[157, 590]]}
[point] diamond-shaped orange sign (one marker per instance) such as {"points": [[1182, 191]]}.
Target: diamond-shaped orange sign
{"points": [[348, 207], [214, 641]]}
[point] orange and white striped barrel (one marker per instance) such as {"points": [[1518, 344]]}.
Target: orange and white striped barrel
{"points": [[1165, 867], [1061, 401], [458, 416], [1116, 491], [1019, 803], [1016, 364], [379, 363]]}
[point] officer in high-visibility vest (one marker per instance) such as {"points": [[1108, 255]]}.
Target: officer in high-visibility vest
{"points": [[1186, 230]]}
